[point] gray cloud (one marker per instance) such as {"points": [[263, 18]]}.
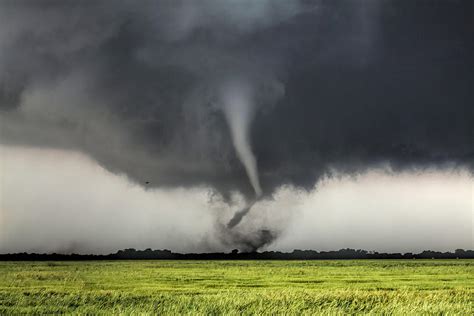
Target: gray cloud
{"points": [[343, 86]]}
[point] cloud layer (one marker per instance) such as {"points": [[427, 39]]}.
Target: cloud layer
{"points": [[62, 201], [346, 86]]}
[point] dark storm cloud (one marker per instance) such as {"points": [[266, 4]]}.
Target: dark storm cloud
{"points": [[335, 85]]}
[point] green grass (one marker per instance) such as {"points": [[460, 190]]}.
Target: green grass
{"points": [[239, 287]]}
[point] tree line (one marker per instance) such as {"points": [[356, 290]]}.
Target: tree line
{"points": [[132, 254]]}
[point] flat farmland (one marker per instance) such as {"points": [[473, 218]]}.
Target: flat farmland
{"points": [[238, 287]]}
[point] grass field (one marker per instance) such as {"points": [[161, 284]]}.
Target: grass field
{"points": [[238, 287]]}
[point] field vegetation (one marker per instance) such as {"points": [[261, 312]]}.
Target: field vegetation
{"points": [[239, 287]]}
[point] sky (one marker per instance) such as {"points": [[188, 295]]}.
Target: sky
{"points": [[309, 123]]}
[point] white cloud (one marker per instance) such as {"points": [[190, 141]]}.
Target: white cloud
{"points": [[56, 200], [386, 212]]}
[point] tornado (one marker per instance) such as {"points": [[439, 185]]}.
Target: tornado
{"points": [[239, 215], [239, 110]]}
